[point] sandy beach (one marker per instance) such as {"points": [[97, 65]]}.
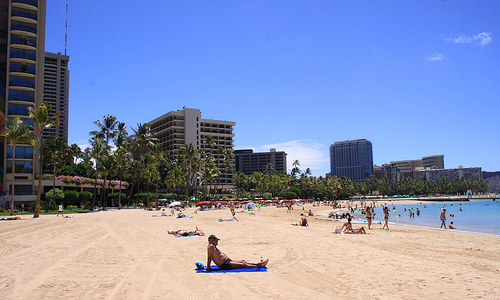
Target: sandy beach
{"points": [[128, 254]]}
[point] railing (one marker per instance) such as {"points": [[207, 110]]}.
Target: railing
{"points": [[30, 69], [20, 82], [19, 111], [29, 2], [24, 14], [23, 41], [23, 54], [14, 95], [24, 27]]}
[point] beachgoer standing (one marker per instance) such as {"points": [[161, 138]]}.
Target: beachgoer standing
{"points": [[443, 218], [60, 210], [386, 218], [369, 217]]}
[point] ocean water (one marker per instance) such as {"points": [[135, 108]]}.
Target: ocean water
{"points": [[481, 216]]}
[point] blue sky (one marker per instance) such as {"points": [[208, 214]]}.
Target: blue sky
{"points": [[416, 78]]}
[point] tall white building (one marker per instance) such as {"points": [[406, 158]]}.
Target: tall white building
{"points": [[183, 127], [56, 91]]}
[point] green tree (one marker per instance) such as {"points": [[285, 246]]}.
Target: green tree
{"points": [[56, 150], [107, 128], [17, 132], [42, 119]]}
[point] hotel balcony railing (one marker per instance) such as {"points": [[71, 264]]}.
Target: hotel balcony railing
{"points": [[23, 54], [18, 111], [24, 14], [24, 27], [21, 69], [23, 41], [21, 97], [29, 2], [21, 82]]}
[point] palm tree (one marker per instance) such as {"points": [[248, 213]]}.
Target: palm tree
{"points": [[99, 148], [175, 178], [161, 159], [121, 160], [107, 128], [121, 135], [76, 152], [144, 137], [42, 119], [55, 148], [107, 167], [17, 132], [190, 160]]}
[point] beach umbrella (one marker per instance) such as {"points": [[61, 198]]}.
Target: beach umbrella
{"points": [[175, 203]]}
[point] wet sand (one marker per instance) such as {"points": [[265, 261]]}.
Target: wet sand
{"points": [[128, 254]]}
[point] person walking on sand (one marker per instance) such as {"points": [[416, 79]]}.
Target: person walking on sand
{"points": [[60, 210], [386, 218], [443, 219], [231, 207], [223, 261]]}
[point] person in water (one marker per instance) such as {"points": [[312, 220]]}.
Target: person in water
{"points": [[223, 261]]}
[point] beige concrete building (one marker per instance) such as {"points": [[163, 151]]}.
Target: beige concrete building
{"points": [[431, 175], [56, 92], [183, 127], [22, 49]]}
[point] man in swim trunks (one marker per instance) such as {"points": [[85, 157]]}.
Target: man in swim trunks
{"points": [[443, 219], [223, 261]]}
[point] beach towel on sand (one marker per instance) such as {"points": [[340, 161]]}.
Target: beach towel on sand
{"points": [[215, 269], [189, 235]]}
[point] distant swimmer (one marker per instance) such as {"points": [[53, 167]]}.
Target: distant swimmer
{"points": [[418, 212], [460, 209]]}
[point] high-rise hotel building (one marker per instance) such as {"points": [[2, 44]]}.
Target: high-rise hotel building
{"points": [[352, 159], [183, 127], [22, 48], [56, 92]]}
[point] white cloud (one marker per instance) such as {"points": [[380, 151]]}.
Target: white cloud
{"points": [[482, 39], [435, 57], [309, 153]]}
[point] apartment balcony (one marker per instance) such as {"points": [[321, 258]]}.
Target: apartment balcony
{"points": [[26, 4], [23, 28]]}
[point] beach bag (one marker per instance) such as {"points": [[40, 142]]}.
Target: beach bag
{"points": [[338, 230]]}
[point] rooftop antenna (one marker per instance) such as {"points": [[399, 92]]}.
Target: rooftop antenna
{"points": [[66, 33]]}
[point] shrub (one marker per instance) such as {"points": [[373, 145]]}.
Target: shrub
{"points": [[70, 195], [85, 196], [115, 196], [72, 207], [50, 194]]}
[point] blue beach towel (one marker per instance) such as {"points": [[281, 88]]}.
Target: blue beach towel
{"points": [[215, 269], [180, 235]]}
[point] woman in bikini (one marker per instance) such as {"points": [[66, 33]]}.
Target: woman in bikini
{"points": [[386, 218]]}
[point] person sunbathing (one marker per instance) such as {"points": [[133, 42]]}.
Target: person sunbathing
{"points": [[303, 222], [231, 219], [186, 233], [223, 261], [11, 218], [347, 228]]}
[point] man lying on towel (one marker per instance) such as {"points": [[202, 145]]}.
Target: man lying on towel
{"points": [[224, 262]]}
